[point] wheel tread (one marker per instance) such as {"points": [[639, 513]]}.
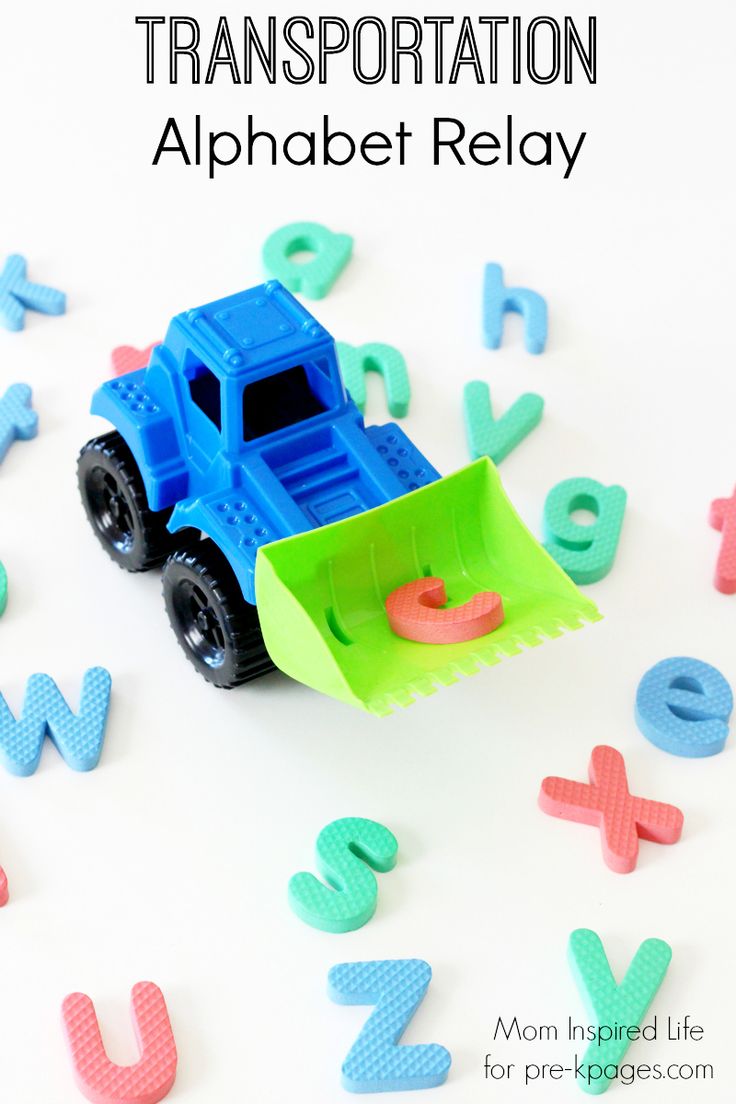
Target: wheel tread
{"points": [[249, 660], [155, 540]]}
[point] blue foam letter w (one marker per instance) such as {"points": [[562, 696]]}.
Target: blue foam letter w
{"points": [[78, 738]]}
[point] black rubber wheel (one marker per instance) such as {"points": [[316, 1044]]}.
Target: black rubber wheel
{"points": [[114, 498], [219, 631]]}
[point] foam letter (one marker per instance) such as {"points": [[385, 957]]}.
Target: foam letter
{"points": [[150, 1078], [496, 437], [585, 552], [126, 358], [376, 1062], [416, 611], [314, 278], [607, 803], [346, 849], [723, 517], [609, 1004], [356, 360], [498, 299], [78, 739], [17, 295], [683, 706], [17, 420]]}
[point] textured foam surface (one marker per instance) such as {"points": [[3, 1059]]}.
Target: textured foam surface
{"points": [[126, 358], [78, 738], [18, 422], [499, 299], [315, 277], [414, 612], [376, 1063], [388, 362], [17, 295], [346, 850], [585, 552], [723, 518], [606, 802], [683, 706], [496, 437], [145, 1082], [609, 1004]]}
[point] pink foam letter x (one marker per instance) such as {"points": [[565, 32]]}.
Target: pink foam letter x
{"points": [[623, 819]]}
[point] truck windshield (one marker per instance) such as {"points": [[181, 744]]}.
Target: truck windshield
{"points": [[278, 401]]}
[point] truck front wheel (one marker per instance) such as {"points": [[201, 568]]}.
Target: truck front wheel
{"points": [[114, 499], [218, 630]]}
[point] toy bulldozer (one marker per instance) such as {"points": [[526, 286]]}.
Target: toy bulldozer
{"points": [[240, 463]]}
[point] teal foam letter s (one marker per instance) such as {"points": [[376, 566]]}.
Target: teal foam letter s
{"points": [[346, 850]]}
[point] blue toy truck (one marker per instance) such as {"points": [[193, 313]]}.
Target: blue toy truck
{"points": [[240, 434]]}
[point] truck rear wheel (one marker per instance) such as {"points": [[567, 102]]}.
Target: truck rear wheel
{"points": [[218, 630], [114, 498]]}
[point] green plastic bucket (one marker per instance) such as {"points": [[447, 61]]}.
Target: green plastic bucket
{"points": [[321, 594]]}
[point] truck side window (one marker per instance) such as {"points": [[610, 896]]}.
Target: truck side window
{"points": [[277, 401], [205, 391]]}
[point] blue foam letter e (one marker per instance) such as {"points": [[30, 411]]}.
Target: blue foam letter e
{"points": [[683, 706]]}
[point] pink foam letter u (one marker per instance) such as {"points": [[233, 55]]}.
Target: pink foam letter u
{"points": [[101, 1081]]}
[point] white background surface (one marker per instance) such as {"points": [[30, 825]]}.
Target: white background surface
{"points": [[170, 861]]}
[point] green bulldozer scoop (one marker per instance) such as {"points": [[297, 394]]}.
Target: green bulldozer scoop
{"points": [[321, 594]]}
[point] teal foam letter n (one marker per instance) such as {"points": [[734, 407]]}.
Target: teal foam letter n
{"points": [[356, 360]]}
